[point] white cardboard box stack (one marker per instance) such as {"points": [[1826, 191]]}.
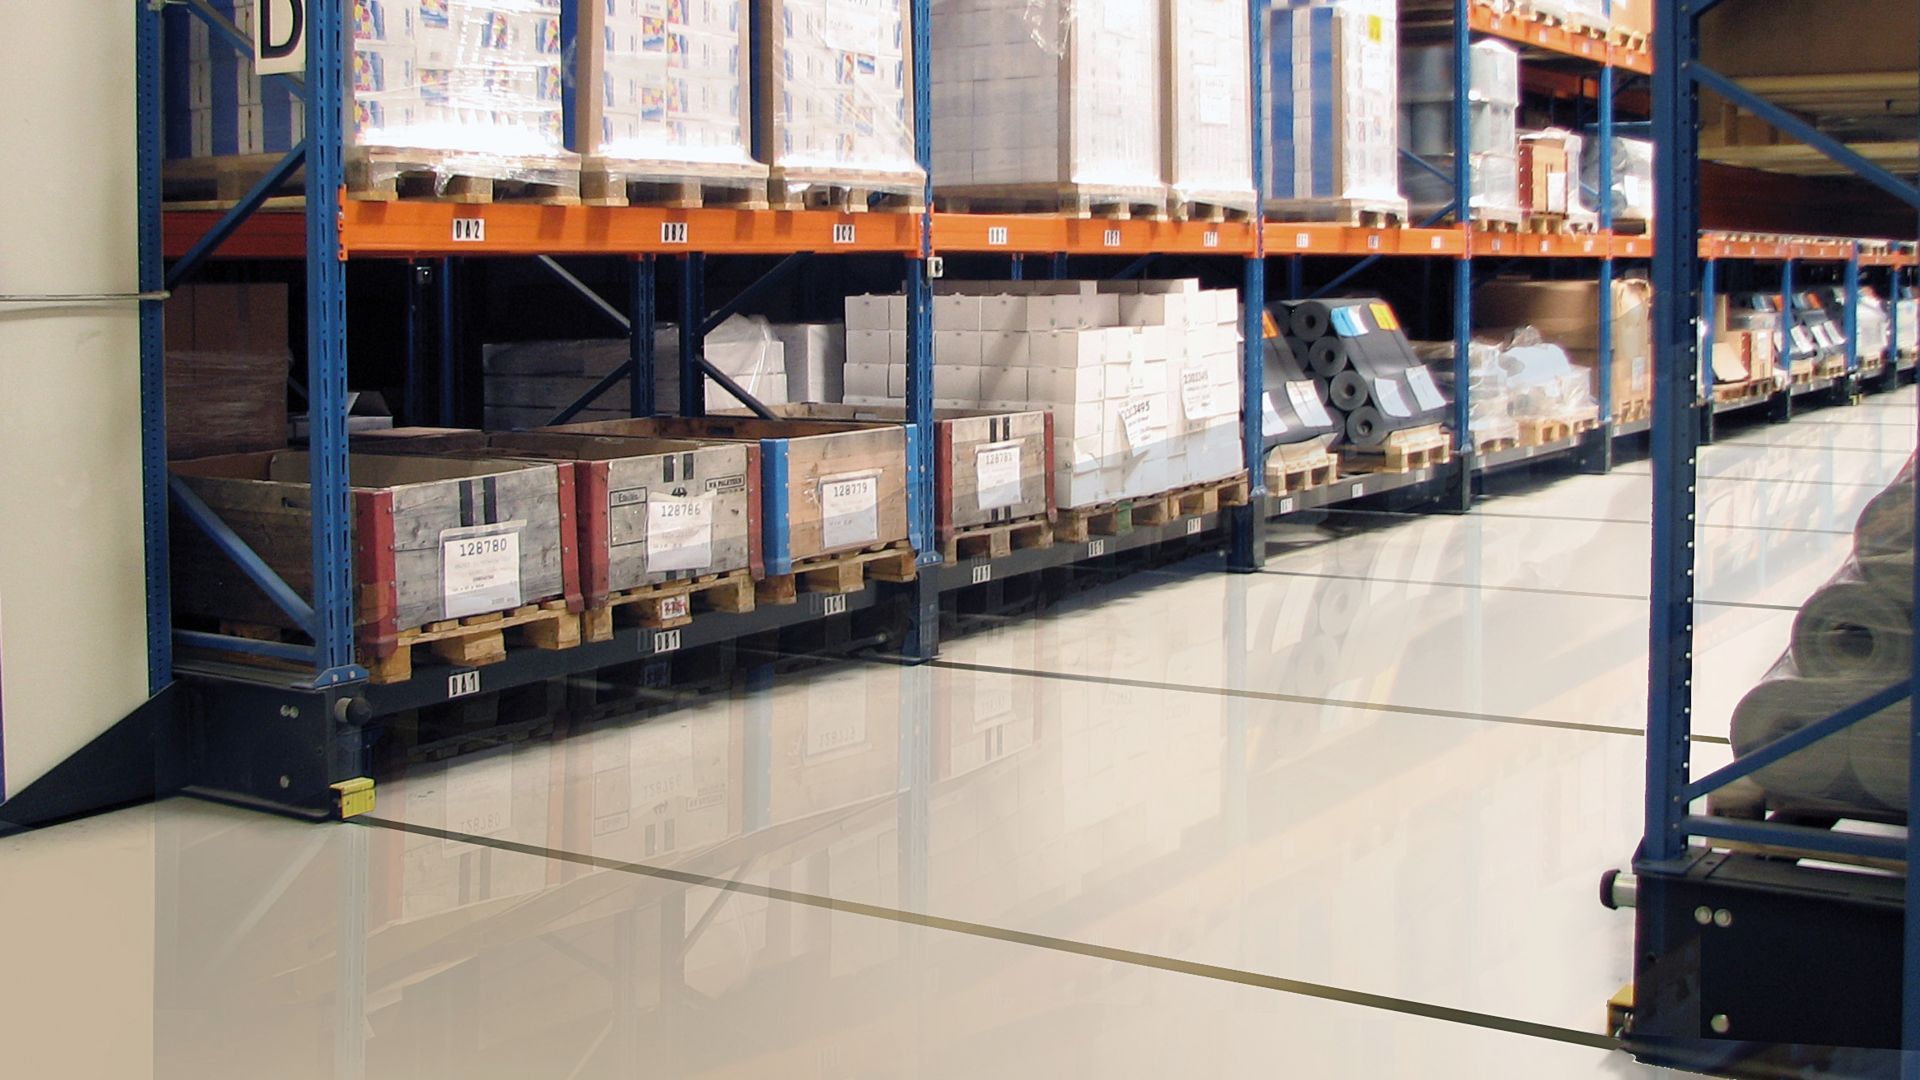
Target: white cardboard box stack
{"points": [[1142, 378], [1046, 92]]}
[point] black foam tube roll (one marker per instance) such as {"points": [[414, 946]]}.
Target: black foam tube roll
{"points": [[1288, 357], [1329, 356], [1366, 426], [1348, 391], [1311, 320]]}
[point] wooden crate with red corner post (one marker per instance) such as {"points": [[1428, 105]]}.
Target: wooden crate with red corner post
{"points": [[833, 496], [993, 474], [667, 526], [454, 555]]}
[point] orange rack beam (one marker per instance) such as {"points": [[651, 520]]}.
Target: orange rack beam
{"points": [[1528, 245], [1036, 234], [1319, 238], [1558, 39]]}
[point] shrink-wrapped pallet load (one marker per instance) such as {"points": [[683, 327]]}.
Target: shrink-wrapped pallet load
{"points": [[1426, 127], [1047, 104], [1208, 142], [836, 112], [1331, 111]]}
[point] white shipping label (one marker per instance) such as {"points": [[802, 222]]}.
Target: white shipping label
{"points": [[1307, 404], [1270, 420], [1196, 394], [1137, 417], [480, 569], [1801, 341], [1425, 394], [1213, 96], [849, 510], [679, 533], [1639, 367], [1556, 192], [1386, 394], [998, 469]]}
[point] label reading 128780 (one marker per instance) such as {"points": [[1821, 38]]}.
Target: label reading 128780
{"points": [[480, 569]]}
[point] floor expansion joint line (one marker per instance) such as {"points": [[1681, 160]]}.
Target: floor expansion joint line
{"points": [[1302, 699], [1107, 953], [1476, 512], [1534, 589], [1769, 480]]}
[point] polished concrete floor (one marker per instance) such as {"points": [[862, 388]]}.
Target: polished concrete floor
{"points": [[1344, 818]]}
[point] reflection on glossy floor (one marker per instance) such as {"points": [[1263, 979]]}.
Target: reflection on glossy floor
{"points": [[1340, 819]]}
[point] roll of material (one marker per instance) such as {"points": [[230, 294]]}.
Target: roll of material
{"points": [[1286, 360], [1853, 629], [1782, 705], [1368, 427], [1311, 320], [1348, 391], [1329, 356], [1877, 753], [1883, 537]]}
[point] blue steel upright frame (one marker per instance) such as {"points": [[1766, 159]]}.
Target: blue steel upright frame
{"points": [[1665, 858], [1246, 549]]}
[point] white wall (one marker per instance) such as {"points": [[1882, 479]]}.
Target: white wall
{"points": [[72, 582]]}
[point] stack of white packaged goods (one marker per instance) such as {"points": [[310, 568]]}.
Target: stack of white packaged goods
{"points": [[1142, 378], [463, 88], [1206, 85], [1906, 330], [217, 105], [836, 98], [1049, 102], [525, 384], [1588, 15], [1332, 108], [1493, 106], [661, 95]]}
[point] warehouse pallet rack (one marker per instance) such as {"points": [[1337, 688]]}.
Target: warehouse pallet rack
{"points": [[1747, 963], [289, 743]]}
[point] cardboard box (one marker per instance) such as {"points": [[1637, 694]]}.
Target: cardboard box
{"points": [[1567, 314], [226, 369], [1544, 170], [816, 355]]}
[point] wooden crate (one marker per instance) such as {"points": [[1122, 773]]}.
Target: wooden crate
{"points": [[626, 488], [411, 514], [826, 487], [1007, 445]]}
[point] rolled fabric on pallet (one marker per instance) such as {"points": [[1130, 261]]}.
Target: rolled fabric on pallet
{"points": [[1784, 703], [1853, 629]]}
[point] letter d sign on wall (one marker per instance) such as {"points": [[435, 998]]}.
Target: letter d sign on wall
{"points": [[280, 36]]}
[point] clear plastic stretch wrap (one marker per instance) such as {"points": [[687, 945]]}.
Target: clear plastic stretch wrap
{"points": [[217, 105], [1871, 332], [1208, 141], [1490, 401], [1851, 639], [1909, 326], [1331, 108], [1632, 176], [1543, 383], [1051, 96], [466, 87], [836, 94], [659, 88], [1493, 104]]}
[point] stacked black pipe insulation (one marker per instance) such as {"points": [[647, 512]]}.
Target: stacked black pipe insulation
{"points": [[1852, 638], [1363, 365], [1296, 403]]}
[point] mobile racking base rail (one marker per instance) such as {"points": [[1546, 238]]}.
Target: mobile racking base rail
{"points": [[1746, 964], [287, 741]]}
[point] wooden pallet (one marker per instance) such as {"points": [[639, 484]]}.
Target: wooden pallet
{"points": [[1293, 477], [217, 183], [999, 540], [410, 175], [1486, 219], [1630, 39], [479, 639], [847, 572], [1405, 451], [1200, 209], [1495, 445], [1628, 412], [1751, 390], [668, 604], [1831, 368], [1542, 432], [845, 198], [1559, 225], [1078, 525], [1067, 200], [1360, 213], [669, 185], [1630, 226]]}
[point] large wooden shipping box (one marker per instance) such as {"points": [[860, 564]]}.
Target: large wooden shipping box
{"points": [[1567, 314], [650, 510], [989, 466], [826, 487], [227, 364], [435, 539]]}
